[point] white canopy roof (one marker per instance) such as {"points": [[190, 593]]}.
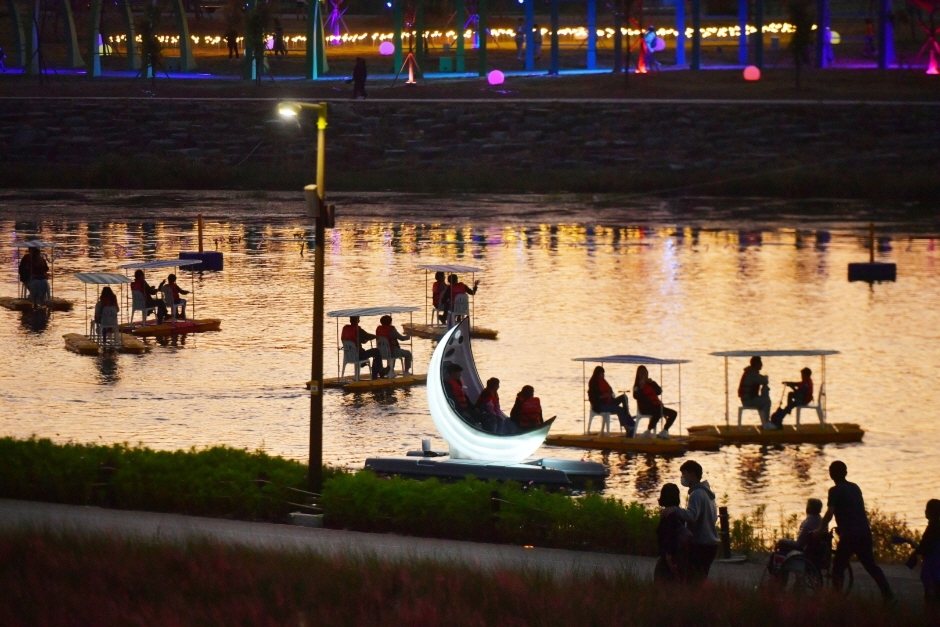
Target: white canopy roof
{"points": [[160, 263], [34, 244], [633, 359], [449, 268], [370, 311], [102, 278], [783, 353]]}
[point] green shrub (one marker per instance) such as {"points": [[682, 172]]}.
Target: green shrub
{"points": [[465, 511]]}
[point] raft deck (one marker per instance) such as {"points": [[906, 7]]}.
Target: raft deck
{"points": [[78, 343], [25, 304], [790, 434], [364, 385], [172, 328], [654, 446], [436, 332]]}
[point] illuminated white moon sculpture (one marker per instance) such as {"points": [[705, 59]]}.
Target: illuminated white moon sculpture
{"points": [[465, 440]]}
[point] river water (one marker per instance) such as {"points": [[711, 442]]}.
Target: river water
{"points": [[564, 277]]}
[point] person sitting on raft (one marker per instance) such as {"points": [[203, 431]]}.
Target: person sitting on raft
{"points": [[390, 333], [34, 274], [802, 394], [602, 399], [140, 285], [176, 291], [453, 388], [754, 390], [107, 298], [527, 410], [456, 288], [488, 403], [646, 392], [440, 297], [352, 332]]}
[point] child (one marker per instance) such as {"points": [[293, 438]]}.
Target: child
{"points": [[177, 290], [802, 394], [929, 547], [673, 538]]}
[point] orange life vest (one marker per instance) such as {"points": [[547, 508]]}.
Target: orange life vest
{"points": [[455, 289], [606, 392], [530, 414], [459, 396], [489, 401], [436, 290], [350, 333], [385, 330]]}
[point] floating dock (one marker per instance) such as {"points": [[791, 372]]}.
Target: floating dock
{"points": [[25, 304], [172, 328], [436, 332], [365, 385], [790, 434], [549, 472], [78, 343], [654, 446]]}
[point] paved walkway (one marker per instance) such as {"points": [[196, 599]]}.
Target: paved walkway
{"points": [[175, 527]]}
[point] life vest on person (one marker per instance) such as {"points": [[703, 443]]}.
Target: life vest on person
{"points": [[806, 391], [530, 413], [108, 301], [750, 391], [650, 394], [350, 333], [436, 291], [138, 286], [385, 330], [455, 290], [606, 393], [489, 401], [457, 393]]}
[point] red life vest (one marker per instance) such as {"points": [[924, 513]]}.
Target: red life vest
{"points": [[457, 393], [650, 393], [385, 330], [436, 290], [455, 290], [606, 392], [350, 333], [138, 286], [488, 400], [807, 388], [530, 414]]}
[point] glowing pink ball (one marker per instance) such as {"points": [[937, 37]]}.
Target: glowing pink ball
{"points": [[495, 78], [752, 73], [386, 48]]}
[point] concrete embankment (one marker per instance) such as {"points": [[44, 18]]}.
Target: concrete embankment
{"points": [[791, 149], [177, 528]]}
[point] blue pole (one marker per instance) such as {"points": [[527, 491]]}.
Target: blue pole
{"points": [[885, 35], [680, 28], [742, 36], [592, 34], [823, 42], [529, 35], [554, 61], [696, 35]]}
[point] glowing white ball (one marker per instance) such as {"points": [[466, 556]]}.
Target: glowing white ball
{"points": [[495, 77], [752, 73], [386, 48]]}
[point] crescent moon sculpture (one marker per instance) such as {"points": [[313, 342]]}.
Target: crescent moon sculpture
{"points": [[467, 441]]}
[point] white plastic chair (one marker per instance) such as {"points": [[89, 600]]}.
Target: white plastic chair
{"points": [[170, 305], [351, 356], [385, 350], [640, 417], [741, 411], [605, 421], [109, 322], [139, 303], [461, 308], [818, 407]]}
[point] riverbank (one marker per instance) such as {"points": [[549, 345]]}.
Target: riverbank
{"points": [[783, 149]]}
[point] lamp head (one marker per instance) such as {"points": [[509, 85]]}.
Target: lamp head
{"points": [[288, 109]]}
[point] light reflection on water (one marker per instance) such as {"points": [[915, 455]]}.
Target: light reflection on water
{"points": [[557, 285]]}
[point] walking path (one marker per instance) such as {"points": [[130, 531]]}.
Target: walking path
{"points": [[175, 527]]}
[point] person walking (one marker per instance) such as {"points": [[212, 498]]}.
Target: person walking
{"points": [[700, 515], [537, 41], [279, 47], [231, 38], [359, 78], [520, 40], [929, 549], [848, 507]]}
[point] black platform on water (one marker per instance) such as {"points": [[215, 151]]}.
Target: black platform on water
{"points": [[874, 271], [211, 260], [551, 472]]}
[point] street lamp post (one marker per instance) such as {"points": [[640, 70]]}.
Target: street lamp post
{"points": [[323, 218]]}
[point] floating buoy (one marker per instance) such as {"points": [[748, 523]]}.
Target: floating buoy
{"points": [[386, 48], [495, 77]]}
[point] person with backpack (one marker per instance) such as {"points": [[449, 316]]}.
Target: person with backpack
{"points": [[700, 516]]}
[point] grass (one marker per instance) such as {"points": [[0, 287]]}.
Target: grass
{"points": [[59, 579]]}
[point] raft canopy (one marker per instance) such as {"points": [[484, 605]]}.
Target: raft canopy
{"points": [[102, 278], [160, 263], [633, 359], [449, 268], [782, 353], [34, 244], [371, 311]]}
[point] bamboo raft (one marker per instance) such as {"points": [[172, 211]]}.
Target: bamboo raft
{"points": [[25, 304], [78, 343], [349, 384], [172, 328], [790, 434], [436, 332]]}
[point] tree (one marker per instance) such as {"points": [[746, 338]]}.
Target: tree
{"points": [[800, 13]]}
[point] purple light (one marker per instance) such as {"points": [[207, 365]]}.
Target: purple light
{"points": [[386, 48], [495, 78]]}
